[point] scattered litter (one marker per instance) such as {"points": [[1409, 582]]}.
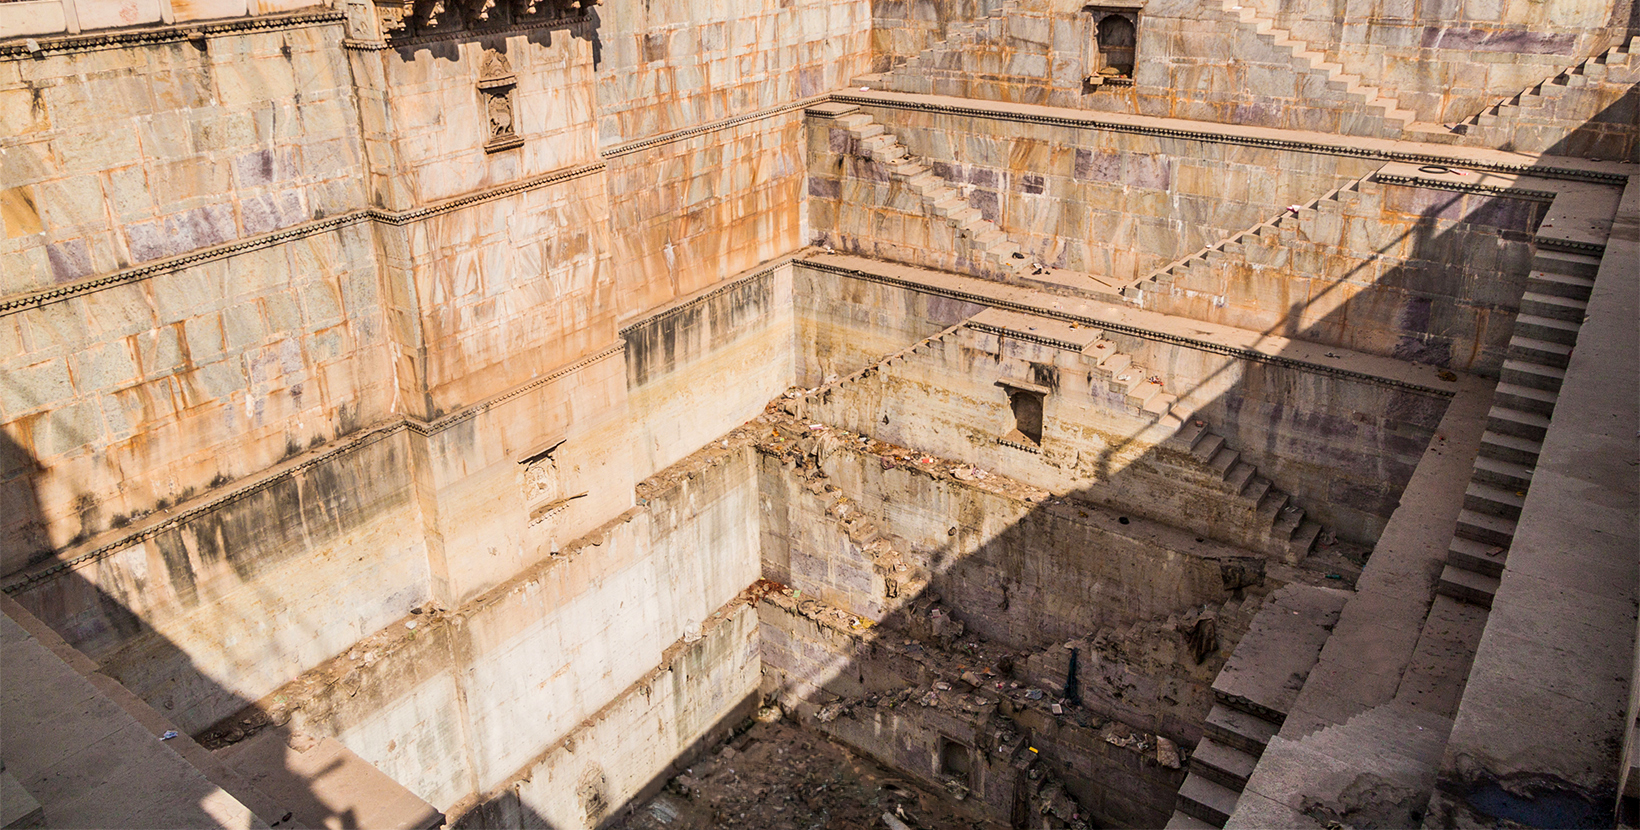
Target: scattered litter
{"points": [[169, 734], [411, 625], [1033, 694], [1295, 208], [1057, 709], [663, 811], [1335, 576], [1167, 753], [894, 823]]}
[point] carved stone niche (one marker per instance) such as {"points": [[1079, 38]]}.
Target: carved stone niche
{"points": [[496, 84], [541, 485], [1112, 43]]}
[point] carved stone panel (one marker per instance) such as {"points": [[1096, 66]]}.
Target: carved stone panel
{"points": [[496, 84]]}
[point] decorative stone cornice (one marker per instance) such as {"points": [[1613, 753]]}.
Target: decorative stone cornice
{"points": [[677, 135], [1466, 187], [154, 35]]}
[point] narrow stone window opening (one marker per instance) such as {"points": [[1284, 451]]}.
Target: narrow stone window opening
{"points": [[1113, 45], [1027, 407], [957, 761], [1116, 46]]}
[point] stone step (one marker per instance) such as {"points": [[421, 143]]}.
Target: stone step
{"points": [[1504, 474], [1272, 503], [867, 130], [1546, 328], [1467, 586], [1189, 434], [1506, 421], [1524, 398], [1205, 800], [1566, 262], [1256, 487], [1521, 373], [1207, 447], [1223, 460], [1479, 557], [1127, 380], [1544, 352], [1485, 527], [1160, 404], [1302, 541], [1491, 499], [1222, 764], [1563, 285], [856, 120], [1510, 448], [1185, 821], [1239, 475], [1141, 393], [1554, 306], [1287, 521], [1238, 729]]}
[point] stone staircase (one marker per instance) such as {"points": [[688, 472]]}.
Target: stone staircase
{"points": [[1252, 696], [1291, 535], [941, 199], [957, 36], [1551, 312], [1197, 269], [1615, 64], [1354, 87]]}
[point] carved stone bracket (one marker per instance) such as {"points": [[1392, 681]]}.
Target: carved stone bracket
{"points": [[404, 19]]}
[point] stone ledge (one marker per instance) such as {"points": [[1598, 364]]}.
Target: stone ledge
{"points": [[967, 288], [1308, 142], [176, 33]]}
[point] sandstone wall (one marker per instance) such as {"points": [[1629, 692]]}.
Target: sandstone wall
{"points": [[1415, 273], [845, 325], [1017, 572], [582, 655], [134, 397], [1102, 201], [1441, 61], [690, 213], [699, 369], [1342, 447], [672, 66], [1447, 60], [116, 157], [227, 601]]}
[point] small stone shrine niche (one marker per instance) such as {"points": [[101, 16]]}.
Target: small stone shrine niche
{"points": [[1112, 45], [1026, 405], [496, 83], [541, 485]]}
